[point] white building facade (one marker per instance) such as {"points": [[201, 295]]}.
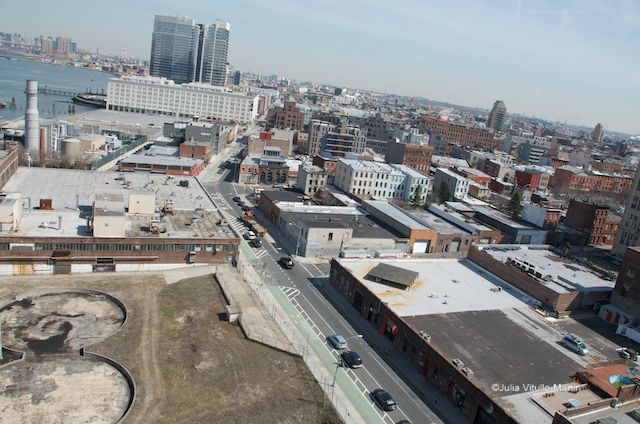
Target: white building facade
{"points": [[458, 185], [372, 179], [414, 182], [162, 96]]}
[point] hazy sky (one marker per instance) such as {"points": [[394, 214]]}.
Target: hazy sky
{"points": [[558, 59]]}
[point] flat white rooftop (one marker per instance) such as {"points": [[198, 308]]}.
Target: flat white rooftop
{"points": [[568, 276], [443, 286], [72, 193]]}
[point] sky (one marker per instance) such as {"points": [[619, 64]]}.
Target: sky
{"points": [[567, 60]]}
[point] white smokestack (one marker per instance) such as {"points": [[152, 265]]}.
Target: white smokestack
{"points": [[32, 120]]}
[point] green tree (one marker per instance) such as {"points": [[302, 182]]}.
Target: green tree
{"points": [[444, 194], [417, 199], [515, 205]]}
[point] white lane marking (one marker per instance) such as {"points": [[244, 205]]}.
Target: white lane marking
{"points": [[306, 269]]}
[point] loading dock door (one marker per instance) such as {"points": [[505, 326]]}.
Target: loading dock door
{"points": [[421, 246]]}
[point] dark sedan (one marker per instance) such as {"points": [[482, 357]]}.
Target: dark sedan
{"points": [[351, 358], [383, 400]]}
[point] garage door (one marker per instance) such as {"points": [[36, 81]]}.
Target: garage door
{"points": [[421, 246]]}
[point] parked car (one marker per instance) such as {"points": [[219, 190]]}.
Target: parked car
{"points": [[285, 262], [337, 341], [249, 235], [383, 400], [256, 242], [236, 198], [573, 343], [351, 358]]}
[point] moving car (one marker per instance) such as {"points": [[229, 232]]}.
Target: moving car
{"points": [[285, 262], [255, 242], [246, 208], [383, 400], [249, 235], [351, 358], [337, 341], [236, 198], [573, 343]]}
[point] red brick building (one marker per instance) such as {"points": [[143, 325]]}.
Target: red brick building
{"points": [[289, 117], [572, 178], [532, 179], [474, 175], [607, 166], [500, 186], [597, 221], [196, 150], [328, 164], [461, 134], [413, 155]]}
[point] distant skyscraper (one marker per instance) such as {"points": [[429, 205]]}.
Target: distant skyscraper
{"points": [[237, 75], [598, 133], [214, 57], [497, 115], [174, 48]]}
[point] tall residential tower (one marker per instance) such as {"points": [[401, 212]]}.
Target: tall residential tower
{"points": [[214, 57], [497, 115], [598, 133], [184, 51], [174, 48]]}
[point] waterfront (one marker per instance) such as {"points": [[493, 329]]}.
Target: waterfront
{"points": [[15, 73]]}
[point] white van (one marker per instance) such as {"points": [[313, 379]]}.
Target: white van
{"points": [[257, 191]]}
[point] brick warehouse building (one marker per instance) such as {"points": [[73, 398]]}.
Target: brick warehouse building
{"points": [[598, 222], [289, 117], [572, 178], [71, 221], [418, 304], [417, 345], [461, 134], [413, 155]]}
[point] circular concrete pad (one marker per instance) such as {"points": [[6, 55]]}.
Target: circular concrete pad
{"points": [[62, 388], [60, 321]]}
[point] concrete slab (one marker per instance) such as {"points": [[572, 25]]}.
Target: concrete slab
{"points": [[255, 321], [67, 388]]}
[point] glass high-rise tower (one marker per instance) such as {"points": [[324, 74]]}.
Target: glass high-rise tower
{"points": [[214, 56], [174, 48], [184, 51]]}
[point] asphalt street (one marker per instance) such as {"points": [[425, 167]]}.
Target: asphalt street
{"points": [[302, 285]]}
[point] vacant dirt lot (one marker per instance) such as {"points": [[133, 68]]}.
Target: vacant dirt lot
{"points": [[188, 366]]}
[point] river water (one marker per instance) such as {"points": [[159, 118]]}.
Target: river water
{"points": [[13, 81]]}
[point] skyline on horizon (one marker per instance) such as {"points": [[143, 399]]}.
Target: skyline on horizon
{"points": [[571, 62]]}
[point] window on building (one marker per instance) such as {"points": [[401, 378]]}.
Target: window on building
{"points": [[330, 236]]}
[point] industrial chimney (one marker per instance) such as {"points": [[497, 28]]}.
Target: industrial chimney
{"points": [[32, 120]]}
